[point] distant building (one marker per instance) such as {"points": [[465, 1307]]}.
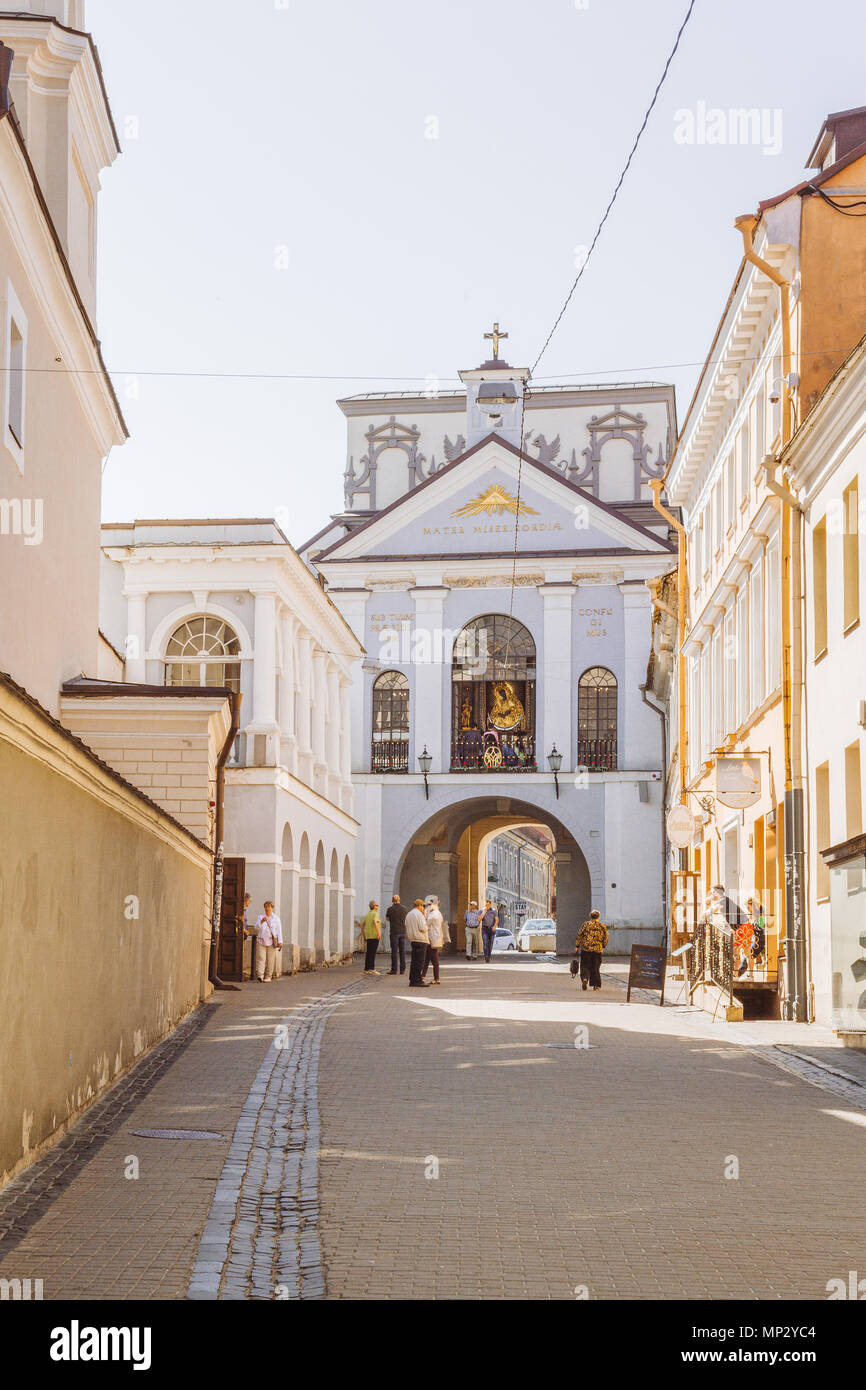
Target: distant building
{"points": [[493, 562], [197, 603], [520, 875]]}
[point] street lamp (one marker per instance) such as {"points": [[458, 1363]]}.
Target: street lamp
{"points": [[555, 760], [425, 759]]}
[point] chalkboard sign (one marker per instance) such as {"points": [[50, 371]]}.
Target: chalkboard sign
{"points": [[646, 970]]}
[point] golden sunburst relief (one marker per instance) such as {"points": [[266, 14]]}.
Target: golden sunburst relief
{"points": [[494, 501]]}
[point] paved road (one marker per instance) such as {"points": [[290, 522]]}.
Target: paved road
{"points": [[375, 1141]]}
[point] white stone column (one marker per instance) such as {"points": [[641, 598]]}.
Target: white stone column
{"points": [[319, 701], [288, 737], [346, 743], [136, 636], [556, 677], [428, 710], [332, 739], [305, 708], [264, 720], [352, 604], [640, 746]]}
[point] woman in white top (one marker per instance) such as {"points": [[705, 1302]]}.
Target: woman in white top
{"points": [[436, 935]]}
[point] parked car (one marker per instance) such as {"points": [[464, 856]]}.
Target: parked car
{"points": [[537, 934], [504, 940]]}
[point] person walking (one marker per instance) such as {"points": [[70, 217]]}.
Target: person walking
{"points": [[473, 931], [269, 939], [416, 931], [372, 930], [435, 937], [489, 923], [248, 932], [591, 941], [396, 916]]}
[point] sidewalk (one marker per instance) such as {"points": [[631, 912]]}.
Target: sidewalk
{"points": [[109, 1214]]}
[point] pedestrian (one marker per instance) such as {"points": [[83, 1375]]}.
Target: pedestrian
{"points": [[591, 941], [372, 930], [269, 937], [435, 937], [416, 931], [247, 933], [759, 930], [473, 931], [489, 923], [396, 915]]}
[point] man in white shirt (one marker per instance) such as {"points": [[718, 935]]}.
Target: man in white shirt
{"points": [[435, 938], [416, 933], [269, 930]]}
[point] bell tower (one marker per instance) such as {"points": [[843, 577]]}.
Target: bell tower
{"points": [[494, 396], [62, 108]]}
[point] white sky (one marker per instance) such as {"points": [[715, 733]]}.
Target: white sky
{"points": [[260, 127]]}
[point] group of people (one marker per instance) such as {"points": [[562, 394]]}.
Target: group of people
{"points": [[749, 927], [422, 925], [267, 943], [480, 929]]}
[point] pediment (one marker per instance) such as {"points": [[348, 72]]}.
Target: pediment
{"points": [[473, 505]]}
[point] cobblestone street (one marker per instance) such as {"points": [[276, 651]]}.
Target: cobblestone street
{"points": [[376, 1142]]}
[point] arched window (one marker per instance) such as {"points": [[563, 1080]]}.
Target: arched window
{"points": [[390, 741], [203, 651], [596, 720], [493, 696]]}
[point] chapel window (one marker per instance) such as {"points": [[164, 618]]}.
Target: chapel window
{"points": [[390, 734], [596, 720], [493, 697]]}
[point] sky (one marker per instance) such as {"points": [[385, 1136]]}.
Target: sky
{"points": [[320, 199]]}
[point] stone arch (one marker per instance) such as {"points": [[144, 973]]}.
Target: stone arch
{"points": [[424, 858], [305, 904], [320, 905], [288, 889], [333, 945], [347, 914]]}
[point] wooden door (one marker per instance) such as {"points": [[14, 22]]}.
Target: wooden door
{"points": [[230, 961]]}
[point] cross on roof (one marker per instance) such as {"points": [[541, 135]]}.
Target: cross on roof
{"points": [[496, 337]]}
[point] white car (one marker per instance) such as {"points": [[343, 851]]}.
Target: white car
{"points": [[537, 934], [504, 940]]}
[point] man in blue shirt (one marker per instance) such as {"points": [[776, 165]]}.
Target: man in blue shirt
{"points": [[489, 923]]}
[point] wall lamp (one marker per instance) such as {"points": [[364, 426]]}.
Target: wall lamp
{"points": [[555, 759], [425, 759]]}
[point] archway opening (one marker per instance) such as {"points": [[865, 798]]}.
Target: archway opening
{"points": [[448, 855]]}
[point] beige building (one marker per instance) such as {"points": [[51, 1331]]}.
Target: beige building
{"points": [[767, 731], [111, 798]]}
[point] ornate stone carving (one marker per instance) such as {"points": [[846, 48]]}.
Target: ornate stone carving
{"points": [[393, 435], [617, 424]]}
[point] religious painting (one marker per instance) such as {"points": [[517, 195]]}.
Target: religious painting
{"points": [[493, 719]]}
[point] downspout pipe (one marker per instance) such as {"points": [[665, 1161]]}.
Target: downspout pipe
{"points": [[663, 717], [656, 485], [219, 823], [794, 1006]]}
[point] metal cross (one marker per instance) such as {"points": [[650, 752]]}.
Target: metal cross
{"points": [[496, 336]]}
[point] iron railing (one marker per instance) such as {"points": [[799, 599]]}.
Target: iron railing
{"points": [[597, 754], [493, 752], [389, 755], [711, 958]]}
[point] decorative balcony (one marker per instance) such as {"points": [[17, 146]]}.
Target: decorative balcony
{"points": [[389, 755], [597, 754], [493, 752]]}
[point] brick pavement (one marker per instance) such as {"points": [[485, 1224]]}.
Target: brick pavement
{"points": [[561, 1168]]}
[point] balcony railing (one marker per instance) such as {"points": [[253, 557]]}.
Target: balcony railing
{"points": [[389, 755], [597, 754], [493, 752]]}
